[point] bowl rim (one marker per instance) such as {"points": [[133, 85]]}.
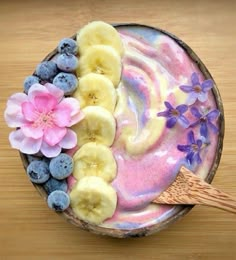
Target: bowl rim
{"points": [[182, 210]]}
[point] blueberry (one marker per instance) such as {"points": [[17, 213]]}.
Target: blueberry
{"points": [[67, 62], [54, 184], [58, 200], [29, 81], [46, 70], [32, 158], [61, 166], [66, 82], [67, 45], [38, 171]]}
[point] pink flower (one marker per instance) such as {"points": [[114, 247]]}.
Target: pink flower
{"points": [[42, 119]]}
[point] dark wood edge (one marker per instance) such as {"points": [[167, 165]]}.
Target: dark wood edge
{"points": [[180, 210]]}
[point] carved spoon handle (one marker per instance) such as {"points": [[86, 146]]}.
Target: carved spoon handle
{"points": [[190, 189]]}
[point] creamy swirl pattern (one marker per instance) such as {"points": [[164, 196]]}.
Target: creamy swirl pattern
{"points": [[154, 66]]}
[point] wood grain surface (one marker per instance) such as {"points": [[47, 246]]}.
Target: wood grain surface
{"points": [[31, 29]]}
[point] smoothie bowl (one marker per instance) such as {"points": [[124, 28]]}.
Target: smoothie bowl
{"points": [[107, 121]]}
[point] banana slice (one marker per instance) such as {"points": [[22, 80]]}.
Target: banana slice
{"points": [[96, 90], [94, 159], [98, 126], [101, 59], [98, 32], [93, 200]]}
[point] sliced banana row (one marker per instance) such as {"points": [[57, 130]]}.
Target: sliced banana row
{"points": [[96, 90], [103, 60], [101, 48], [93, 199], [98, 126], [98, 158], [101, 33]]}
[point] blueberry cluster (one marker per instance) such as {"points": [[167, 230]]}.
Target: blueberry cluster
{"points": [[52, 174], [61, 73]]}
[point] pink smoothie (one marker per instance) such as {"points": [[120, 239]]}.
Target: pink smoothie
{"points": [[154, 66]]}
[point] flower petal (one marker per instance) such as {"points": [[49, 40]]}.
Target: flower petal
{"points": [[76, 118], [192, 98], [202, 97], [195, 79], [199, 143], [54, 135], [213, 127], [17, 99], [213, 114], [25, 144], [14, 117], [184, 148], [69, 141], [195, 112], [190, 156], [183, 121], [55, 91], [182, 108], [50, 151], [16, 138], [45, 102], [31, 145], [191, 138], [36, 89], [204, 130], [168, 105], [164, 113], [71, 103], [198, 158], [30, 131], [207, 85], [171, 122], [186, 89], [61, 117], [13, 112], [29, 111]]}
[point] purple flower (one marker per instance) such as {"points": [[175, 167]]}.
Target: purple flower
{"points": [[192, 149], [205, 121], [174, 114], [197, 90]]}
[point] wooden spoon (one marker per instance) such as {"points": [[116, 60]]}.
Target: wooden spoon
{"points": [[190, 189]]}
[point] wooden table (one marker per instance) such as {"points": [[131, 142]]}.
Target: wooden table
{"points": [[31, 29]]}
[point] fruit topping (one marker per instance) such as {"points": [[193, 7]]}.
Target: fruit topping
{"points": [[68, 46], [101, 59], [94, 159], [58, 200], [46, 70], [93, 200], [53, 184], [66, 82], [67, 62], [38, 172], [101, 33], [96, 90], [98, 126], [61, 166]]}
